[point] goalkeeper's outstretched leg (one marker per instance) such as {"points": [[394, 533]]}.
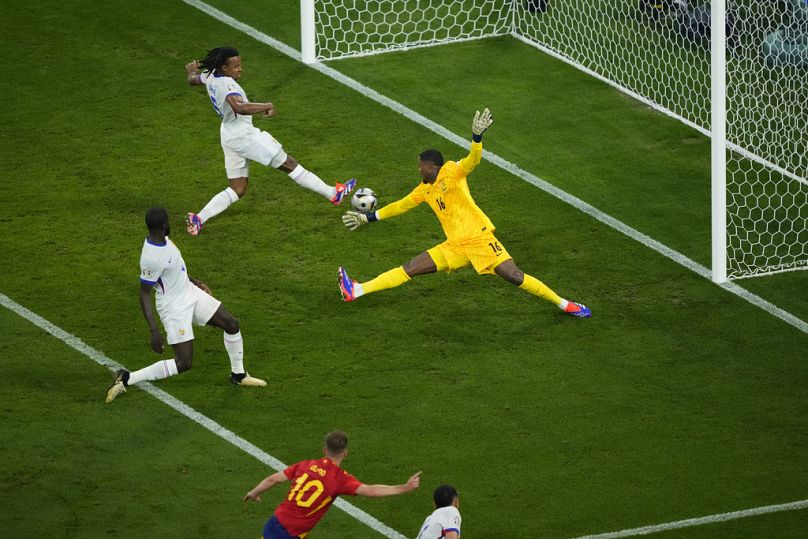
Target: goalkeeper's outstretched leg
{"points": [[420, 265], [509, 271]]}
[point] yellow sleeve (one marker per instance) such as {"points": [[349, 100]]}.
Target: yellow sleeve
{"points": [[400, 206], [473, 159]]}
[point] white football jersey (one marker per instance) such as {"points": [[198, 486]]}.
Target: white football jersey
{"points": [[234, 126], [441, 521], [163, 267]]}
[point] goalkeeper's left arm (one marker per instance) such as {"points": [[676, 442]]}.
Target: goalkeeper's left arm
{"points": [[355, 219]]}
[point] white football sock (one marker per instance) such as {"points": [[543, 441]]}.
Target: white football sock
{"points": [[218, 204], [157, 371], [234, 345], [311, 181], [563, 305]]}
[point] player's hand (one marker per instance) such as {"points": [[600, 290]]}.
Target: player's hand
{"points": [[157, 341], [414, 482], [251, 496], [482, 121], [192, 68], [269, 112], [354, 219], [204, 287]]}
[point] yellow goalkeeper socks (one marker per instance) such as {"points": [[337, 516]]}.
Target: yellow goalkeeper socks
{"points": [[389, 279], [538, 288]]}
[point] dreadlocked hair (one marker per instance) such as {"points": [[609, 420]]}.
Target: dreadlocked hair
{"points": [[216, 58]]}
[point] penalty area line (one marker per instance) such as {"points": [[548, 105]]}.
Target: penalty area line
{"points": [[171, 401], [700, 521]]}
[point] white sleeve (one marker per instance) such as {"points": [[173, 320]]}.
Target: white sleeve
{"points": [[203, 77], [233, 89], [450, 521], [150, 270]]}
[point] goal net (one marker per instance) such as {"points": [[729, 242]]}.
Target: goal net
{"points": [[657, 51], [347, 28]]}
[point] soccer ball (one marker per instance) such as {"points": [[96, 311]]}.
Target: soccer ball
{"points": [[364, 200]]}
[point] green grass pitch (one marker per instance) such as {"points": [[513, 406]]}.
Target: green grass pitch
{"points": [[676, 400]]}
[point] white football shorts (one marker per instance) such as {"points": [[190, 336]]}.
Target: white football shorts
{"points": [[179, 322], [260, 147]]}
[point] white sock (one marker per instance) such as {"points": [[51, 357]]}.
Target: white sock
{"points": [[218, 204], [358, 290], [563, 304], [157, 371], [311, 181], [234, 345]]}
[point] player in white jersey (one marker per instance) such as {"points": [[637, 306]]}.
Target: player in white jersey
{"points": [[444, 522], [242, 142], [182, 302]]}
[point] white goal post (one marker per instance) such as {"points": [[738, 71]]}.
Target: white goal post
{"points": [[735, 70]]}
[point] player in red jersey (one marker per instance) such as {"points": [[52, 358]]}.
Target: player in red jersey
{"points": [[315, 485]]}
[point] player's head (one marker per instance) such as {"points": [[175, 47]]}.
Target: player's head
{"points": [[444, 496], [157, 221], [222, 61], [336, 444], [429, 165]]}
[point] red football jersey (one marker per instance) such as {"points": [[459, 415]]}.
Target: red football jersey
{"points": [[315, 486]]}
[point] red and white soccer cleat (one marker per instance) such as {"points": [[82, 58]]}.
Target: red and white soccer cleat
{"points": [[343, 190]]}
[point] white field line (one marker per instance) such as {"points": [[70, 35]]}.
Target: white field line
{"points": [[214, 427], [410, 114], [712, 519]]}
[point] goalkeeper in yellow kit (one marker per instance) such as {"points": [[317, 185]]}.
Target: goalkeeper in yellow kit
{"points": [[469, 233]]}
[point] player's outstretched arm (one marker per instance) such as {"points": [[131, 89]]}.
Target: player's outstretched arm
{"points": [[481, 122], [380, 491], [354, 219], [263, 486]]}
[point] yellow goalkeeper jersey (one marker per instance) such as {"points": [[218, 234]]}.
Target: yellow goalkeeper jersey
{"points": [[450, 199]]}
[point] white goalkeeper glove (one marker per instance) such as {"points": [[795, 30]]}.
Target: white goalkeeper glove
{"points": [[354, 219], [482, 121]]}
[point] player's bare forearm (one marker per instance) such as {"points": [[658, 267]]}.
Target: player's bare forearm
{"points": [[248, 109], [266, 484], [240, 106], [155, 337], [145, 305], [380, 491]]}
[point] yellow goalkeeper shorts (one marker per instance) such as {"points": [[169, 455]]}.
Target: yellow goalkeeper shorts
{"points": [[483, 252]]}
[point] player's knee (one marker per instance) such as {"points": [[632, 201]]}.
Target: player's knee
{"points": [[232, 326], [290, 164], [512, 274], [240, 189], [183, 363]]}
